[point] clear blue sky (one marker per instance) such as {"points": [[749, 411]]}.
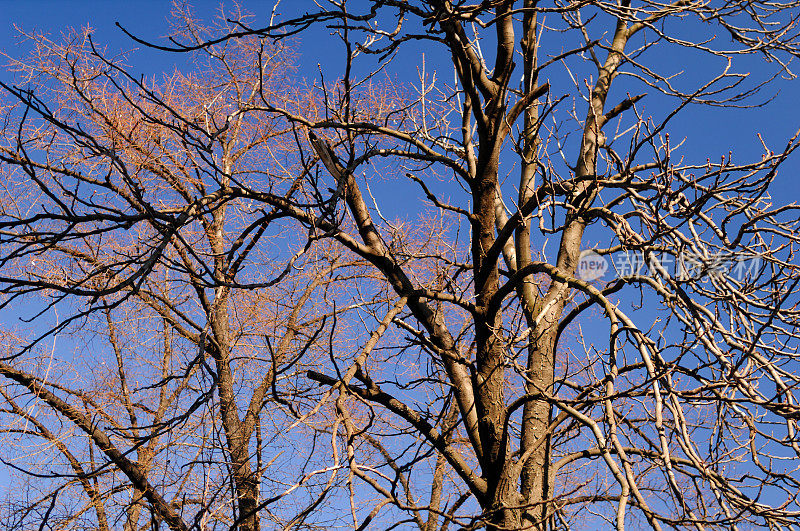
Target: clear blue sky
{"points": [[710, 132]]}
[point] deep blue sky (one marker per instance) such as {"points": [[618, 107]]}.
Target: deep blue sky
{"points": [[708, 132]]}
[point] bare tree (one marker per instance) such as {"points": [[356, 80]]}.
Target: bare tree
{"points": [[463, 354], [195, 337]]}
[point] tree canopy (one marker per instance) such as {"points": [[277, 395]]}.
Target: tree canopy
{"points": [[458, 276]]}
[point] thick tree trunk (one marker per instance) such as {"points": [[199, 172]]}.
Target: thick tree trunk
{"points": [[237, 433]]}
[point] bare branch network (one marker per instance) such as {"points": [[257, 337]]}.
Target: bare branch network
{"points": [[432, 284]]}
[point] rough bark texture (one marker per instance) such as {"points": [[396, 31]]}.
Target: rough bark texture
{"points": [[273, 324]]}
